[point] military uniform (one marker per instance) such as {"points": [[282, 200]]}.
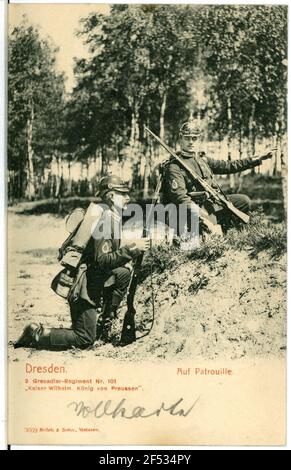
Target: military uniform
{"points": [[178, 183], [104, 262]]}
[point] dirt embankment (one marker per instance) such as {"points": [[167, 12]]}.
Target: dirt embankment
{"points": [[229, 307]]}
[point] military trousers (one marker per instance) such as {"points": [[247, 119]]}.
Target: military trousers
{"points": [[240, 201], [84, 316], [117, 287], [122, 278], [83, 331]]}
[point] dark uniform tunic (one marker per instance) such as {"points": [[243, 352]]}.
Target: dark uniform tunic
{"points": [[105, 260], [178, 183]]}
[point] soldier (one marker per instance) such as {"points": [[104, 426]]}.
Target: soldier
{"points": [[179, 188], [106, 262]]}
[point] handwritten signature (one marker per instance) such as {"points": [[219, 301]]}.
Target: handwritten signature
{"points": [[107, 408]]}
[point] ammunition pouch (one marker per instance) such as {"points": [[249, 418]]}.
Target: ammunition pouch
{"points": [[62, 283], [72, 256]]}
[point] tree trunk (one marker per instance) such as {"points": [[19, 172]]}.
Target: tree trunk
{"points": [[229, 125], [275, 145], [229, 138], [220, 141], [69, 179], [136, 136], [280, 151], [252, 135], [59, 185], [58, 179], [20, 183], [239, 178], [240, 142], [89, 182], [30, 188], [132, 130], [146, 181], [162, 116], [103, 160]]}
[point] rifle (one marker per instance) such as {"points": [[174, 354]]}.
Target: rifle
{"points": [[128, 334], [216, 196]]}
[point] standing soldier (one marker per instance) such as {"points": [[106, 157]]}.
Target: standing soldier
{"points": [[106, 263], [179, 187]]}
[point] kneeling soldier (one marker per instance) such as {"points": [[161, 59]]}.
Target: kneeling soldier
{"points": [[106, 264]]}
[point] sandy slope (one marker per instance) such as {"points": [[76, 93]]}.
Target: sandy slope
{"points": [[229, 308]]}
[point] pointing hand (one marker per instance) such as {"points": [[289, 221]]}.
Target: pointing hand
{"points": [[268, 155]]}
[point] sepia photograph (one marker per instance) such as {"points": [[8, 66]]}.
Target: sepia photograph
{"points": [[147, 223]]}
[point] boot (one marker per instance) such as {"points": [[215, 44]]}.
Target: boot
{"points": [[34, 336]]}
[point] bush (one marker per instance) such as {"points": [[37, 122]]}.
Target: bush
{"points": [[260, 236], [273, 239], [212, 248], [255, 237], [160, 259]]}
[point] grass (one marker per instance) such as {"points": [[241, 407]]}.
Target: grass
{"points": [[42, 252], [258, 236], [210, 249], [161, 258]]}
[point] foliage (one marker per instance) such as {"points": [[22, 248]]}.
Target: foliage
{"points": [[160, 259], [36, 94], [255, 238], [237, 54], [246, 50], [209, 249], [138, 57], [148, 65], [259, 236]]}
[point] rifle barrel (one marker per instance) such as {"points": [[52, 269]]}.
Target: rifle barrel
{"points": [[215, 195]]}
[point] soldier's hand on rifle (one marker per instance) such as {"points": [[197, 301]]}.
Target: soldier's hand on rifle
{"points": [[268, 155], [199, 196], [141, 244]]}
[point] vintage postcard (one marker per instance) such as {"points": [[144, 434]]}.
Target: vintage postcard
{"points": [[147, 200]]}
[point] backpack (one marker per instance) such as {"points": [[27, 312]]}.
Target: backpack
{"points": [[79, 223]]}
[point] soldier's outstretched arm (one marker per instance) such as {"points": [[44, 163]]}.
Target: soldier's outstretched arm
{"points": [[222, 167], [227, 167]]}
